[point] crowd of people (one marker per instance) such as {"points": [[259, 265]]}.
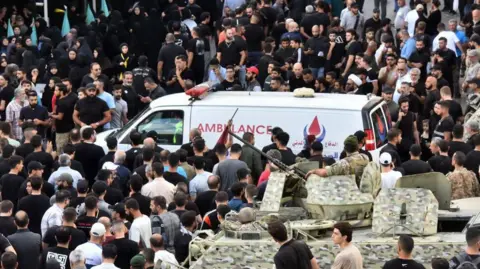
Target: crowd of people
{"points": [[67, 202]]}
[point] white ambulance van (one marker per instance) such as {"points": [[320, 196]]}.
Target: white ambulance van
{"points": [[329, 117]]}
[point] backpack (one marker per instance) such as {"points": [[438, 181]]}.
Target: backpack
{"points": [[466, 262]]}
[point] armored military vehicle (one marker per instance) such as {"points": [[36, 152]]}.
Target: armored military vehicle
{"points": [[379, 216]]}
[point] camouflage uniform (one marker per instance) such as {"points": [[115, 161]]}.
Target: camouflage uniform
{"points": [[353, 164], [464, 183]]}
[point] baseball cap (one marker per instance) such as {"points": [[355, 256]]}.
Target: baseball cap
{"points": [[385, 158], [109, 166], [351, 140], [253, 69], [98, 229], [138, 261], [376, 10], [35, 166], [82, 186]]}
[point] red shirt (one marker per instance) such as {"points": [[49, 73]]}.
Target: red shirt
{"points": [[263, 177]]}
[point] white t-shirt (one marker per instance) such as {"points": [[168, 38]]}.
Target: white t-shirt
{"points": [[452, 39], [389, 179], [398, 85], [93, 253], [411, 19], [166, 256], [401, 15], [141, 231]]}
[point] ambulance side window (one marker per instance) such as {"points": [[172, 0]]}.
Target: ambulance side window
{"points": [[167, 125]]}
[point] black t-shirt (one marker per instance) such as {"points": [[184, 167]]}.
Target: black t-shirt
{"points": [[455, 110], [167, 55], [403, 264], [473, 161], [293, 254], [113, 196], [190, 206], [66, 106], [48, 189], [7, 226], [4, 243], [57, 253], [288, 157], [205, 201], [354, 48], [197, 47], [208, 162], [28, 114], [44, 158], [126, 249], [181, 40], [444, 125], [24, 149], [143, 202], [319, 46], [89, 155], [440, 163], [174, 178], [455, 146], [6, 95], [78, 237], [176, 87], [35, 206], [76, 202], [10, 186], [413, 167], [254, 34], [231, 51], [91, 110], [227, 85], [85, 223], [422, 57]]}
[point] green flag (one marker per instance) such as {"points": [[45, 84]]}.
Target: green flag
{"points": [[90, 18], [66, 24], [105, 8], [10, 32]]}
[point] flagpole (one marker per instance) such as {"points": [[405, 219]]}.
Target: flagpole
{"points": [[45, 12], [94, 3]]}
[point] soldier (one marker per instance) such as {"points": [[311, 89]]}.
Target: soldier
{"points": [[246, 217], [353, 164], [464, 182]]}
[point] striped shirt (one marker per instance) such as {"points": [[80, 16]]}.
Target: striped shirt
{"points": [[13, 115]]}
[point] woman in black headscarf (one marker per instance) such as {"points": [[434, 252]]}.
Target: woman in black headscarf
{"points": [[3, 64], [41, 26], [28, 59], [84, 49], [52, 71], [4, 46], [123, 62], [76, 74], [48, 92], [60, 55], [34, 75], [100, 58], [158, 32]]}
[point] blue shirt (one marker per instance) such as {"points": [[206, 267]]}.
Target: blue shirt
{"points": [[108, 98], [408, 48], [463, 39], [180, 170], [235, 204], [213, 78]]}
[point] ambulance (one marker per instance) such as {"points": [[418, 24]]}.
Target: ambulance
{"points": [[329, 117]]}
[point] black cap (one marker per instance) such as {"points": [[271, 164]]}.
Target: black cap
{"points": [[388, 90], [34, 166], [118, 207], [82, 186]]}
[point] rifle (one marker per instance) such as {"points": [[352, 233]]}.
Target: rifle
{"points": [[295, 170]]}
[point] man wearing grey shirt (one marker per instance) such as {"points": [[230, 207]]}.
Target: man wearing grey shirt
{"points": [[227, 170], [353, 19], [119, 114]]}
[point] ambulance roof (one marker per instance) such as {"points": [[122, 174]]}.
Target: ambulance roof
{"points": [[268, 99]]}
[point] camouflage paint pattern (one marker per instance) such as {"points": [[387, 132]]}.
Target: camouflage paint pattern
{"points": [[421, 212], [273, 193], [232, 253], [353, 164], [371, 179], [464, 184], [337, 198]]}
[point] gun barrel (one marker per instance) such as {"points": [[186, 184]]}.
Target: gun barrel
{"points": [[278, 163]]}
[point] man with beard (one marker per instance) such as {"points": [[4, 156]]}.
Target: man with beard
{"points": [[415, 92], [308, 78], [374, 22], [445, 57], [130, 95], [252, 84], [92, 111], [352, 84], [407, 123], [119, 113], [34, 113], [402, 76], [232, 51], [420, 58], [6, 94], [94, 75], [353, 20], [387, 96], [316, 50], [63, 115], [195, 52], [433, 95], [296, 79], [335, 53], [437, 72], [177, 77], [139, 75], [353, 47]]}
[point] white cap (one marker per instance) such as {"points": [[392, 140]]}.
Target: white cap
{"points": [[419, 7], [385, 158], [355, 79], [98, 229], [109, 166]]}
